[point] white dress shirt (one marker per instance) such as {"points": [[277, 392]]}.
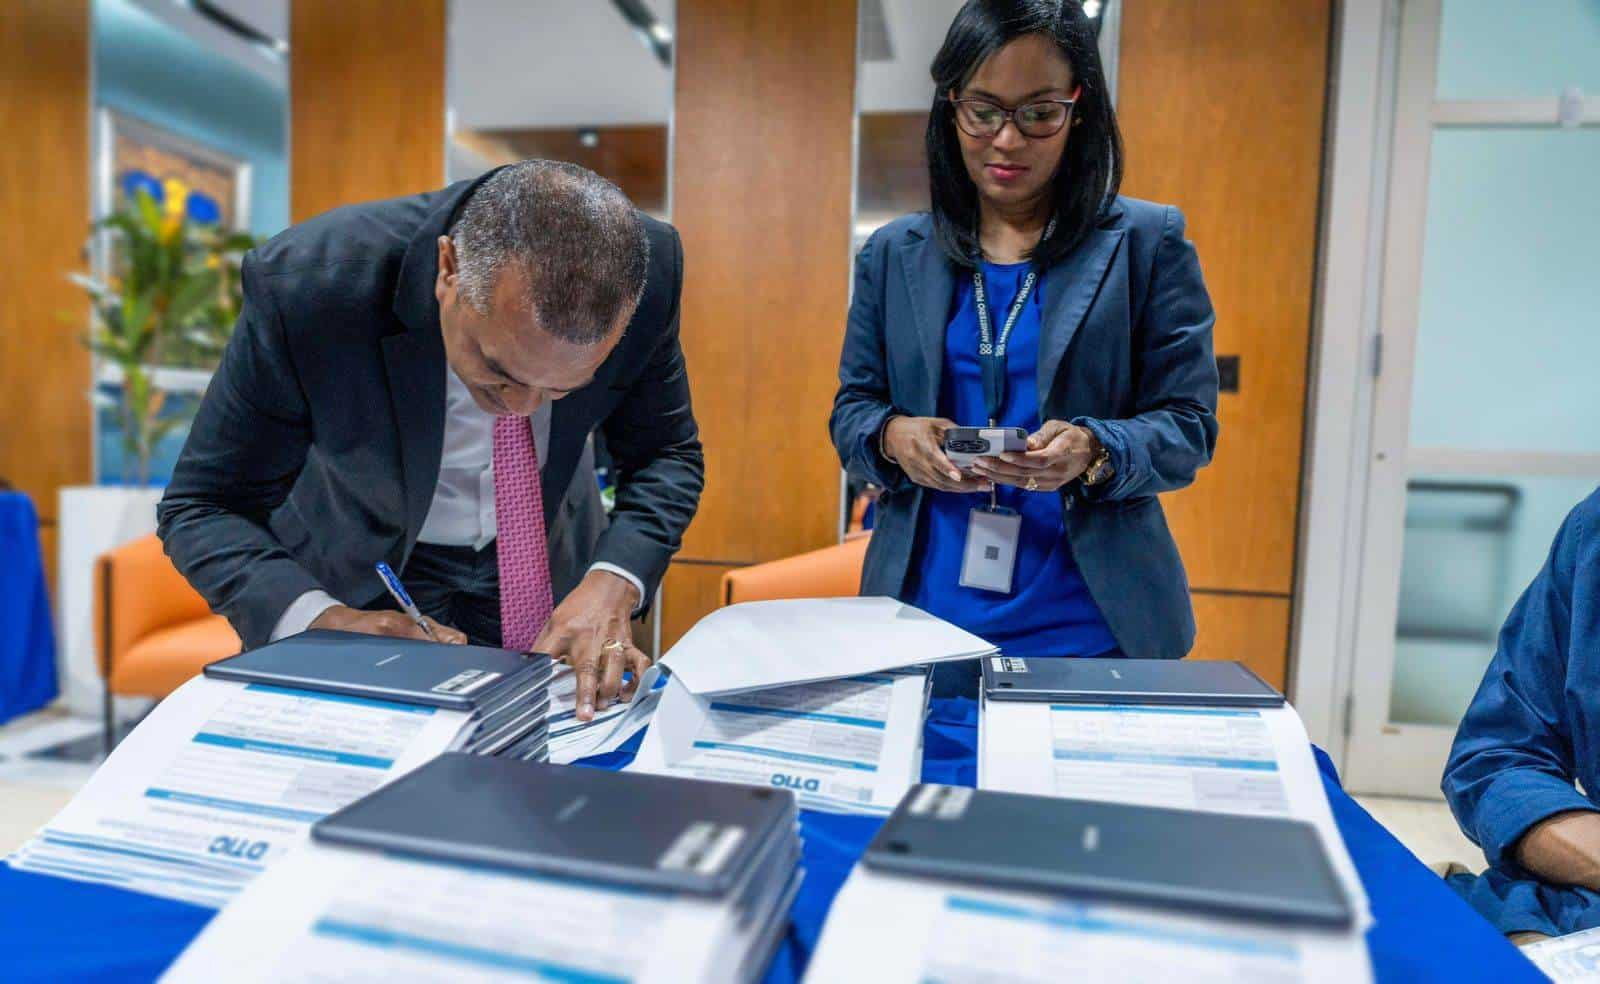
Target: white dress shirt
{"points": [[462, 511]]}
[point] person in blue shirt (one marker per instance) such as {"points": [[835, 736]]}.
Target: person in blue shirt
{"points": [[1530, 739], [1099, 305]]}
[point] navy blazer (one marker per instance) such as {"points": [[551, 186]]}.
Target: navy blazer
{"points": [[1531, 736], [316, 449], [1125, 350]]}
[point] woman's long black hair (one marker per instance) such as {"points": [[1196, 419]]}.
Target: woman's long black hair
{"points": [[1090, 172]]}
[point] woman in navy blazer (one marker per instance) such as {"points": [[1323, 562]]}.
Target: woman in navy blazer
{"points": [[1108, 366]]}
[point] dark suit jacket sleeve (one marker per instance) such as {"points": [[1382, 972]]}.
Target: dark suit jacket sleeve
{"points": [[1513, 763], [1173, 431], [245, 450], [861, 406], [655, 446]]}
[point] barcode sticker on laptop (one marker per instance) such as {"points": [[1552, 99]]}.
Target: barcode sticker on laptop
{"points": [[467, 681], [1008, 664], [703, 847], [941, 802]]}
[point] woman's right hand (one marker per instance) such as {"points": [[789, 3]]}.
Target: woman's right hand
{"points": [[916, 444]]}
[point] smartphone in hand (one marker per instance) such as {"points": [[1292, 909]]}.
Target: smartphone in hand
{"points": [[964, 445]]}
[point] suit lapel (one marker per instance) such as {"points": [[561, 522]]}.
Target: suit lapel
{"points": [[562, 430], [414, 362], [930, 283], [413, 358], [1070, 287]]}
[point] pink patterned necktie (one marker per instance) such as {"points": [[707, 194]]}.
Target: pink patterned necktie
{"points": [[525, 598]]}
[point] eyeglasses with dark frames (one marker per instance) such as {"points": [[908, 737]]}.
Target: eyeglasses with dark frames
{"points": [[984, 118]]}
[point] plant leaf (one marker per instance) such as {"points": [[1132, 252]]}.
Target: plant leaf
{"points": [[193, 293]]}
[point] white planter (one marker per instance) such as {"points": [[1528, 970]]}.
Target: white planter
{"points": [[93, 519]]}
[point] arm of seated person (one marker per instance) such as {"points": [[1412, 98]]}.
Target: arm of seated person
{"points": [[1564, 849]]}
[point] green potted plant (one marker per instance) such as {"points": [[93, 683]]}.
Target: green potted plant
{"points": [[165, 296], [168, 300]]}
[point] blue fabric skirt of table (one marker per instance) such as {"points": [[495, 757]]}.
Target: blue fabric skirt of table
{"points": [[53, 930], [27, 644]]}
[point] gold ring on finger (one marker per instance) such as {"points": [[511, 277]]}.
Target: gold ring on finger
{"points": [[613, 645], [1033, 484]]}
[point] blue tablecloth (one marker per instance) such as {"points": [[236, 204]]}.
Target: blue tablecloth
{"points": [[52, 929], [27, 638]]}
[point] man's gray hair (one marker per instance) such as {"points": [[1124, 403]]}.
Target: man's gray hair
{"points": [[574, 234]]}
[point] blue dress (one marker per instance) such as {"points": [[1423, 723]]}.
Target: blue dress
{"points": [[1531, 736], [1049, 611]]}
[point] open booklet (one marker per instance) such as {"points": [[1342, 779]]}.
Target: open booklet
{"points": [[803, 694], [223, 779], [846, 746], [758, 645]]}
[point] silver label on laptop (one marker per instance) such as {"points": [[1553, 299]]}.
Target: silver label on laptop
{"points": [[941, 802], [467, 681], [1008, 664], [703, 847]]}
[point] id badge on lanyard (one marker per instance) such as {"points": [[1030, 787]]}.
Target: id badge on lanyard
{"points": [[989, 559]]}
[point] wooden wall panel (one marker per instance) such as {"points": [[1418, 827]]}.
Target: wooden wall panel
{"points": [[1253, 629], [45, 438], [367, 101], [762, 180], [688, 593], [634, 156], [1222, 105]]}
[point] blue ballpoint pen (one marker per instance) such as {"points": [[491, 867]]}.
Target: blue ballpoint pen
{"points": [[402, 598]]}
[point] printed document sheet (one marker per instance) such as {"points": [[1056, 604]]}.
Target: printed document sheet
{"points": [[884, 928], [850, 746], [224, 778], [571, 739], [329, 914], [759, 644], [1193, 758], [1566, 959], [1252, 761]]}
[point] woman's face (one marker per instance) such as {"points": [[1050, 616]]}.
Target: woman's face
{"points": [[1009, 169]]}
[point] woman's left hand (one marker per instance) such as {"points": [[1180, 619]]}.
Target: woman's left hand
{"points": [[1058, 452]]}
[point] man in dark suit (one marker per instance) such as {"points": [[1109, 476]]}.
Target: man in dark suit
{"points": [[414, 381]]}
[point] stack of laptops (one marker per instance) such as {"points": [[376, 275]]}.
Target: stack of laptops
{"points": [[962, 883], [470, 866], [504, 694]]}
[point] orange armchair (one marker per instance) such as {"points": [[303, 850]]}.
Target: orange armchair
{"points": [[153, 631], [832, 572]]}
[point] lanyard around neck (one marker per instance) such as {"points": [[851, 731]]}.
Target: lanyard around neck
{"points": [[992, 349]]}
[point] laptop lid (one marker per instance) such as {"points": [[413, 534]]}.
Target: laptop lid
{"points": [[408, 671], [1211, 683], [1261, 867], [645, 831]]}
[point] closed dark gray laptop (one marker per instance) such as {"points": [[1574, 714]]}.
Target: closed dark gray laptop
{"points": [[1074, 680], [409, 671], [1259, 867], [645, 831]]}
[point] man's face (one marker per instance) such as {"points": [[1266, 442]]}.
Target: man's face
{"points": [[508, 362]]}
